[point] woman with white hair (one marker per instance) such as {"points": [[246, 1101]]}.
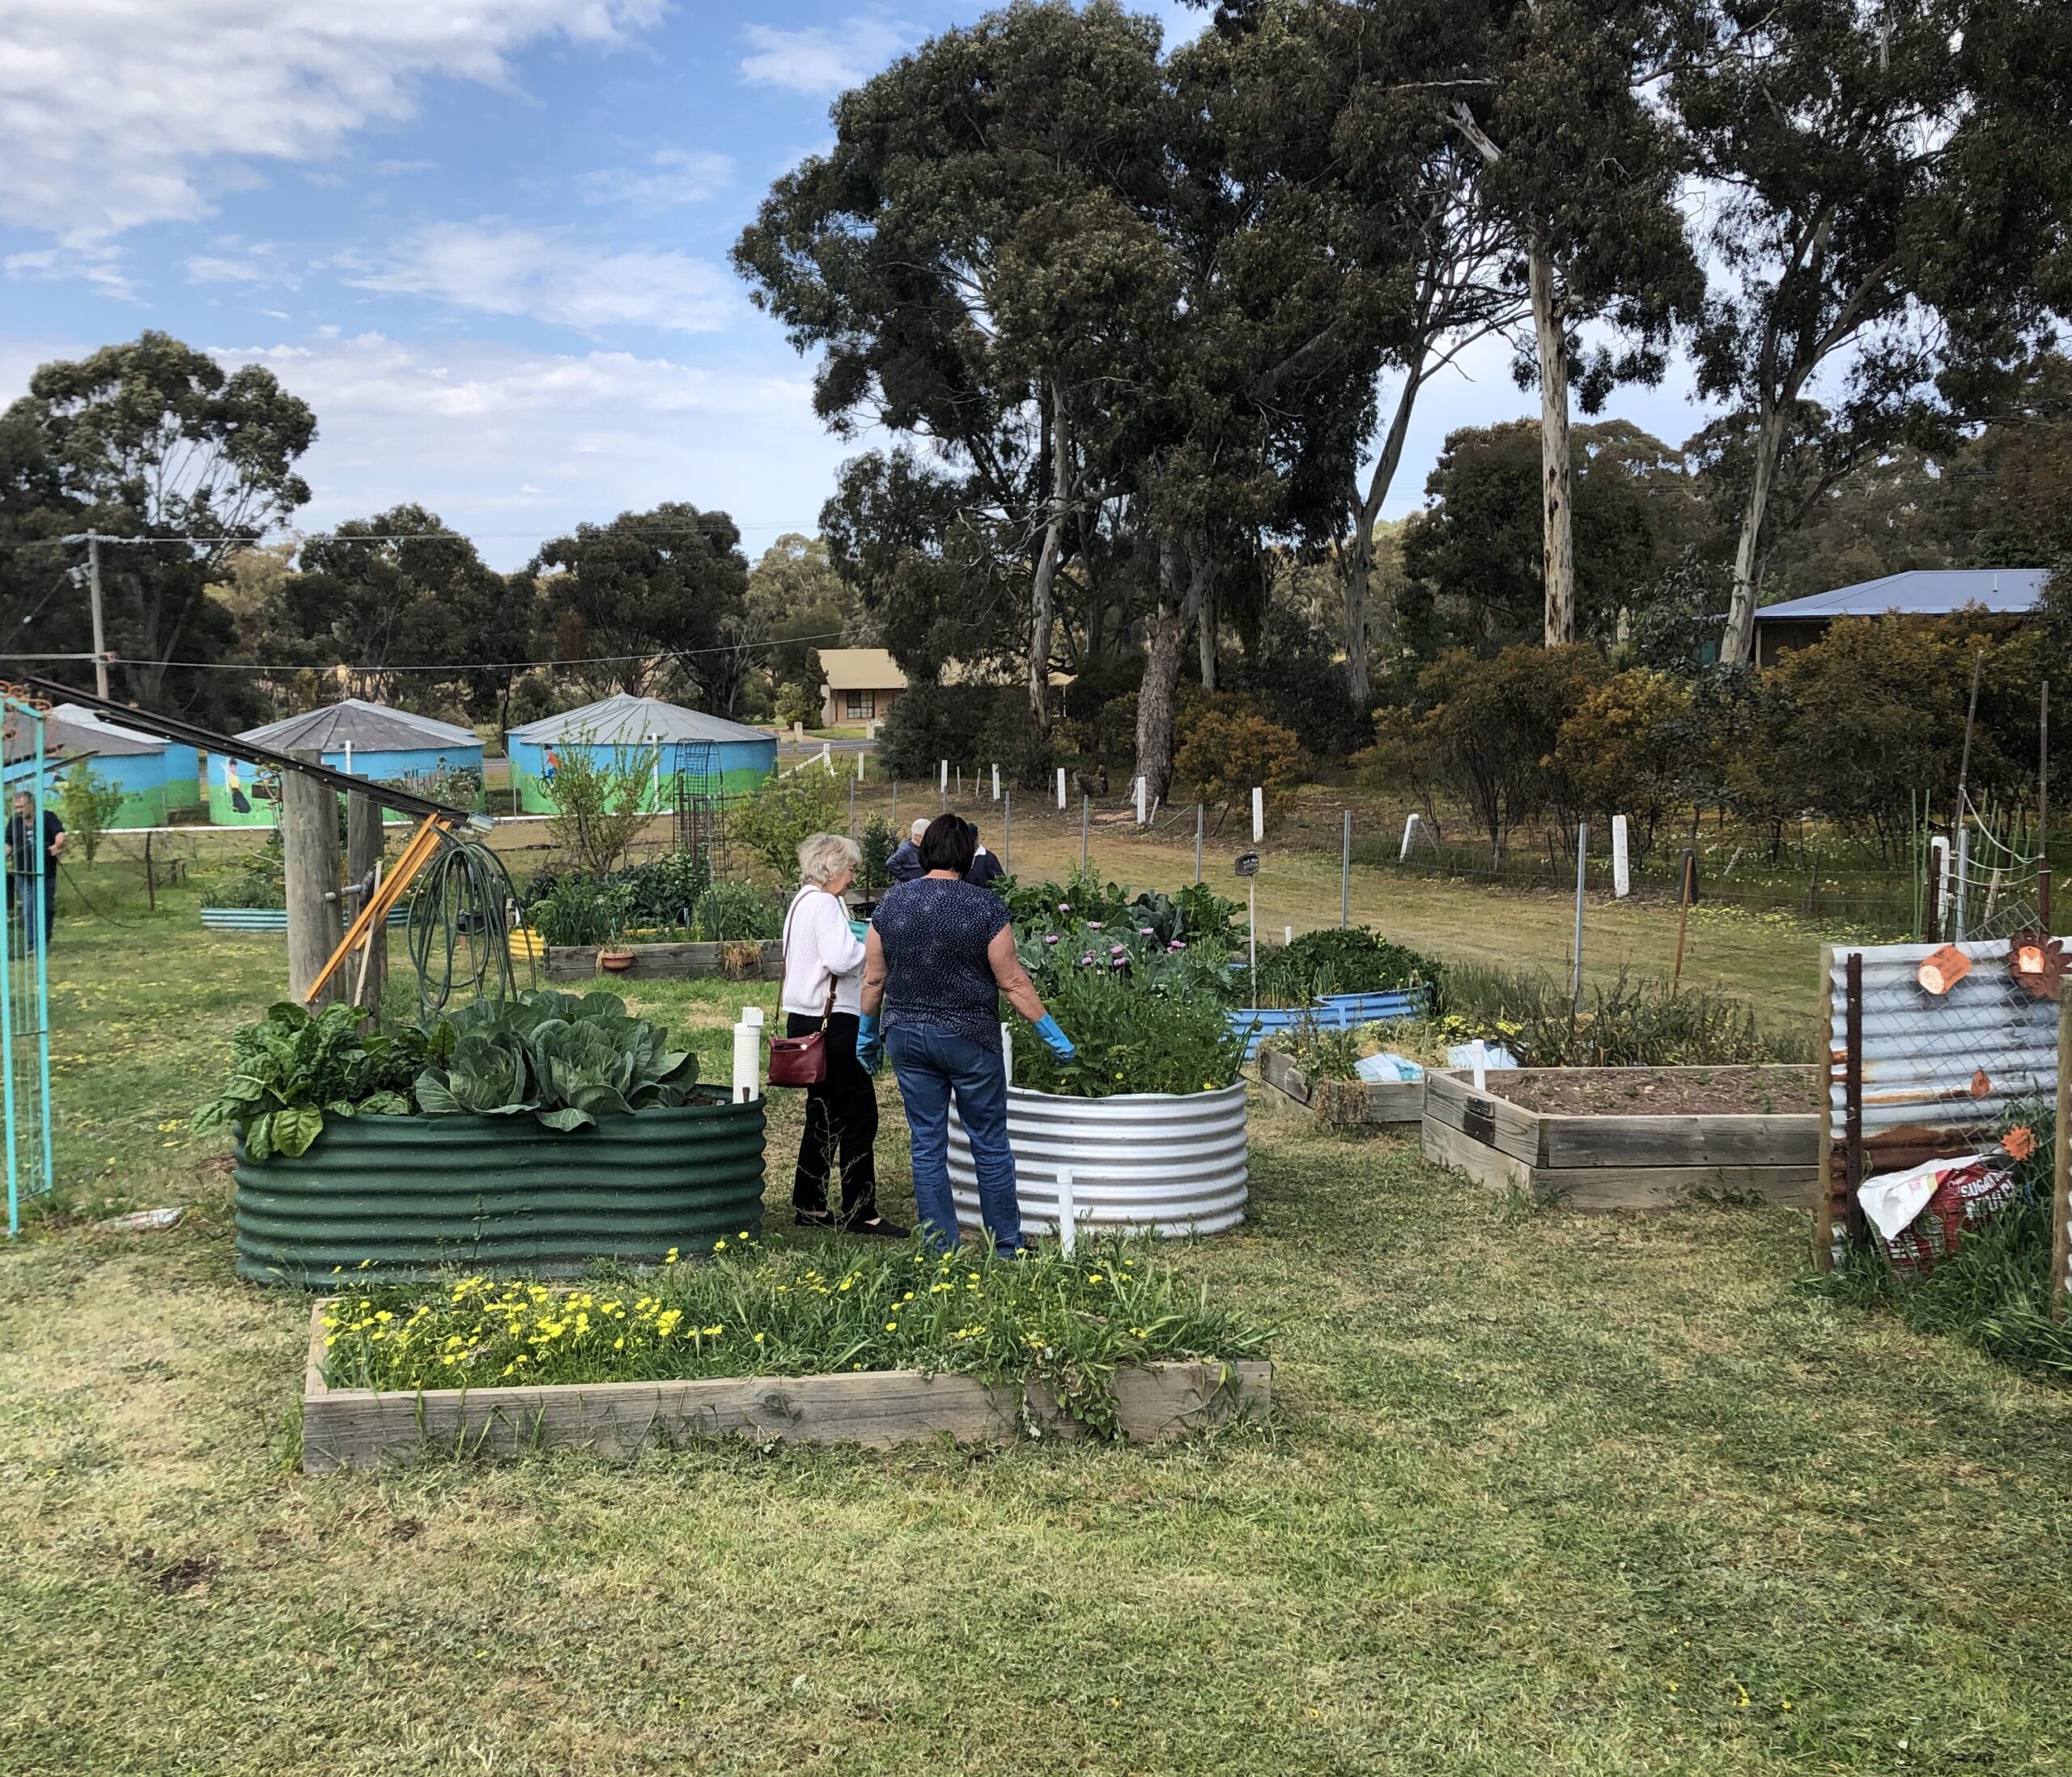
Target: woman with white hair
{"points": [[823, 978]]}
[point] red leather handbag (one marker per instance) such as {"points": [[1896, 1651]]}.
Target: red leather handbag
{"points": [[801, 1061]]}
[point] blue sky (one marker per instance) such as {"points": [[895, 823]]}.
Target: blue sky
{"points": [[487, 244]]}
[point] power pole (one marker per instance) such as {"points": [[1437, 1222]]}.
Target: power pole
{"points": [[93, 592], [93, 540]]}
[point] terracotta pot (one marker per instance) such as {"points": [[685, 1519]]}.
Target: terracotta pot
{"points": [[616, 959]]}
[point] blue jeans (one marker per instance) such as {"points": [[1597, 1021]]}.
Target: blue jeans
{"points": [[932, 1063]]}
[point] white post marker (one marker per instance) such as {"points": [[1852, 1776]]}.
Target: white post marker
{"points": [[1258, 815], [1409, 836], [1140, 802], [1006, 1054], [996, 783], [1061, 789], [748, 1055], [827, 756], [945, 785], [860, 766], [1481, 1063], [1067, 1233], [1622, 877], [349, 758]]}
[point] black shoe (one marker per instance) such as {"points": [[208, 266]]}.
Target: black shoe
{"points": [[812, 1218], [879, 1228]]}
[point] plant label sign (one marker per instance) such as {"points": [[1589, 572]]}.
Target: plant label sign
{"points": [[1247, 864]]}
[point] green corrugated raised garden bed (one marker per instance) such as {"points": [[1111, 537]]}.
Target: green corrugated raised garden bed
{"points": [[539, 1136]]}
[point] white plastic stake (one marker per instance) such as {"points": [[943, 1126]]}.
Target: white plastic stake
{"points": [[349, 758], [1061, 789], [827, 756], [1409, 836], [1140, 802], [1259, 816], [1622, 878], [996, 783], [1481, 1064], [860, 766], [945, 777], [1068, 1234], [748, 1055], [1287, 935]]}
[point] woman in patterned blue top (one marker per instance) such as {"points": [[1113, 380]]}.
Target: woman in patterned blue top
{"points": [[939, 955]]}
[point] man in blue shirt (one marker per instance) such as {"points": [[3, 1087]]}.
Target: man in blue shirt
{"points": [[904, 863]]}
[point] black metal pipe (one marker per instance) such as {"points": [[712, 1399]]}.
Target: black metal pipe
{"points": [[192, 734]]}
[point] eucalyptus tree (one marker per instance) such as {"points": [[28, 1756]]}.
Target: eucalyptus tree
{"points": [[1561, 100], [947, 258], [154, 440], [1888, 194]]}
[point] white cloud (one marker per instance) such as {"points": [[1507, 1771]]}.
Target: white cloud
{"points": [[514, 446], [114, 112], [235, 263], [817, 62], [672, 176], [498, 269]]}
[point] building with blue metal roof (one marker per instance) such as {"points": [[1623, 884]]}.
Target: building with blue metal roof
{"points": [[1929, 592]]}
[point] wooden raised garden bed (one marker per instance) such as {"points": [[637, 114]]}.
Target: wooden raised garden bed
{"points": [[666, 962], [364, 1428], [1343, 1101], [1631, 1137]]}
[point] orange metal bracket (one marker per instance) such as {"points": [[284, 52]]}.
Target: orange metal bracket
{"points": [[375, 910]]}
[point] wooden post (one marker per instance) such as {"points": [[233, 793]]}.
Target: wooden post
{"points": [[1823, 1201], [1200, 809], [1345, 876], [1085, 814], [150, 877], [1582, 861], [363, 850], [309, 847], [2061, 1195], [1683, 888], [1852, 1090], [1007, 833]]}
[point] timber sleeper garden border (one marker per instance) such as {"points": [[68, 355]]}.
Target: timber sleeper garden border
{"points": [[1352, 1101], [668, 961], [366, 1428], [1637, 1159]]}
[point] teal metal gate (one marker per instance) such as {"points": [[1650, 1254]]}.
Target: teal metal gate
{"points": [[24, 969]]}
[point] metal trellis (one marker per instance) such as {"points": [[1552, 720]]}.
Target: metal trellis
{"points": [[24, 969]]}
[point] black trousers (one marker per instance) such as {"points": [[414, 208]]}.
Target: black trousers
{"points": [[841, 1114]]}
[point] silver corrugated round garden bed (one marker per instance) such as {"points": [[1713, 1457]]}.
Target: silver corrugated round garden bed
{"points": [[1163, 1162]]}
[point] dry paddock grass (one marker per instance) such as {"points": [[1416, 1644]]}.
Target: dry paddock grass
{"points": [[1545, 1493]]}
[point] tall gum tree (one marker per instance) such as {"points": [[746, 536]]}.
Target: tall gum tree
{"points": [[1888, 194]]}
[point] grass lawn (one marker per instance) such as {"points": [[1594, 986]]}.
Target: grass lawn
{"points": [[1544, 1493]]}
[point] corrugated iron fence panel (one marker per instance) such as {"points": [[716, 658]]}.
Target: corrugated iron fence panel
{"points": [[1941, 1072]]}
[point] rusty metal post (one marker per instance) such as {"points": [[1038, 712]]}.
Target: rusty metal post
{"points": [[2061, 1195], [2043, 811], [1852, 1090]]}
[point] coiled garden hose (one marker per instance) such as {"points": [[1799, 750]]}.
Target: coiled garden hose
{"points": [[458, 942]]}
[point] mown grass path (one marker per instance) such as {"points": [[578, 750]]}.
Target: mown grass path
{"points": [[1546, 1493]]}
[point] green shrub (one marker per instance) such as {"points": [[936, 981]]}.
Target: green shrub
{"points": [[88, 804], [1129, 1040], [1630, 1024], [784, 812], [600, 800], [736, 910], [250, 879], [1346, 960]]}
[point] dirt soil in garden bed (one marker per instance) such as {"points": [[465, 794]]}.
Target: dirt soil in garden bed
{"points": [[1662, 1091]]}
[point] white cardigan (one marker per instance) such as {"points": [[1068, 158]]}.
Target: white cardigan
{"points": [[817, 943]]}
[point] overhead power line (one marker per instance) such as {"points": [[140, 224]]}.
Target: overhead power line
{"points": [[436, 666]]}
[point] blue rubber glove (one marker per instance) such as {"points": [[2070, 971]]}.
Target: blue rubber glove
{"points": [[1061, 1046], [870, 1045]]}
